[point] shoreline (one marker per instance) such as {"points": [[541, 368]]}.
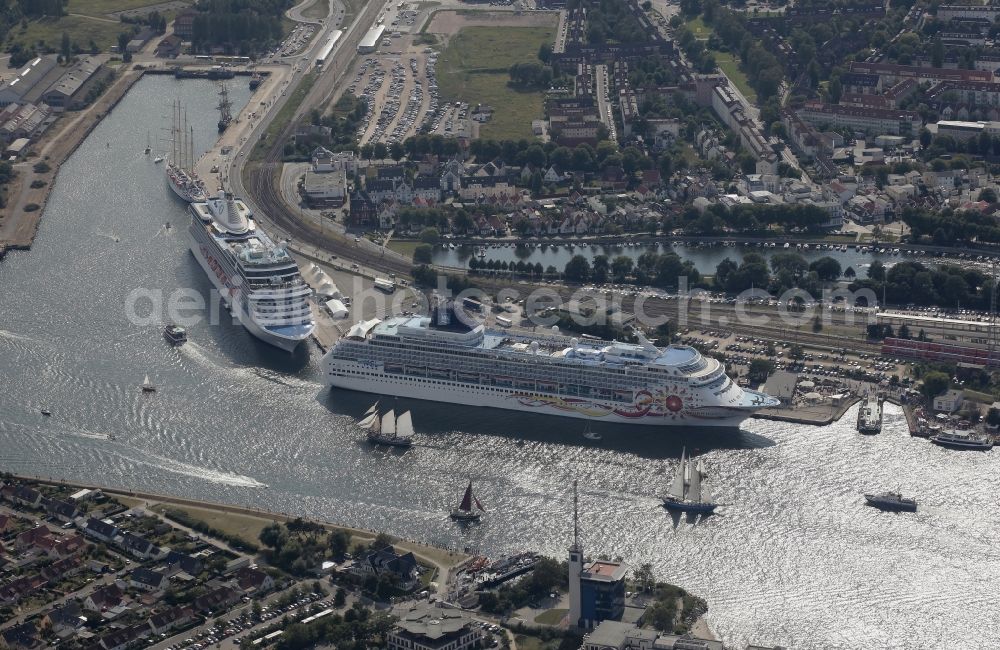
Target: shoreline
{"points": [[422, 550], [20, 227]]}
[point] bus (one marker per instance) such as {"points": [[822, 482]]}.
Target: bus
{"points": [[472, 303], [385, 285], [504, 322]]}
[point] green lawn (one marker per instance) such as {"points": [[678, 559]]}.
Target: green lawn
{"points": [[731, 67], [81, 31], [242, 526], [726, 61], [403, 247], [316, 10], [104, 7], [474, 67], [551, 617]]}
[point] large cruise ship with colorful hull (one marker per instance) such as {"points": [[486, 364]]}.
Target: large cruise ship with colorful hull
{"points": [[448, 358], [258, 279]]}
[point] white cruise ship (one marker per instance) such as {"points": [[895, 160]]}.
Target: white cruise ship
{"points": [[258, 279], [442, 359]]}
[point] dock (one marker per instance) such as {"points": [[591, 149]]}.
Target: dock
{"points": [[239, 130], [819, 414]]}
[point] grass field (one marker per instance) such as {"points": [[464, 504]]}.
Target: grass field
{"points": [[726, 61], [551, 617], [403, 247], [473, 68], [81, 31], [104, 7], [316, 10], [728, 64], [242, 526]]}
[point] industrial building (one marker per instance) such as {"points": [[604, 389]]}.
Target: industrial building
{"points": [[18, 88], [369, 43]]}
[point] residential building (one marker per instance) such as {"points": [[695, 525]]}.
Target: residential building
{"points": [[387, 560], [170, 619], [65, 620], [184, 24], [426, 627], [987, 13], [217, 600], [145, 579], [139, 547], [875, 121], [100, 530], [103, 598], [892, 73], [64, 511], [254, 580]]}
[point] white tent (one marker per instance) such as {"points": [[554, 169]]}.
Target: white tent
{"points": [[328, 290], [336, 308]]}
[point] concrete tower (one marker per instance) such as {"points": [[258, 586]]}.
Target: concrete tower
{"points": [[575, 566]]}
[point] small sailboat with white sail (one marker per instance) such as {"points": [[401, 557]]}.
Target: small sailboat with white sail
{"points": [[387, 429], [148, 386], [465, 511], [687, 492]]}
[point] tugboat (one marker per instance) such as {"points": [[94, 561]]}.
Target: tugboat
{"points": [[870, 415], [963, 440], [464, 511], [686, 492], [387, 429], [176, 334], [147, 386], [891, 501]]}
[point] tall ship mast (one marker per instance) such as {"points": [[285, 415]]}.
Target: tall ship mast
{"points": [[225, 107], [447, 357], [181, 177], [257, 279]]}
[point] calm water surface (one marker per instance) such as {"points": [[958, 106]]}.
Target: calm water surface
{"points": [[794, 557]]}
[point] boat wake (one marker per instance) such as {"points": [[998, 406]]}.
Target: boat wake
{"points": [[194, 471], [14, 336]]}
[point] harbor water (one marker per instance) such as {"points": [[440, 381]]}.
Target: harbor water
{"points": [[793, 558]]}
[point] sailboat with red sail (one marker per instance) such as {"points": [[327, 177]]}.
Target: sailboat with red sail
{"points": [[465, 511]]}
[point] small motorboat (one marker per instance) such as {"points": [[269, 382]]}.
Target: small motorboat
{"points": [[591, 435], [175, 334], [158, 160], [147, 386], [46, 412]]}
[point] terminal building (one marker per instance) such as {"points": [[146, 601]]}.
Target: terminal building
{"points": [[369, 43]]}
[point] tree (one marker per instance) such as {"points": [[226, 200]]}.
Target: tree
{"points": [[601, 267], [621, 266], [850, 273], [988, 194], [934, 383], [760, 369], [339, 597], [123, 39], [273, 535], [430, 236], [925, 138], [876, 271], [545, 52], [826, 268], [817, 325], [577, 269], [835, 90], [66, 48], [423, 254]]}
